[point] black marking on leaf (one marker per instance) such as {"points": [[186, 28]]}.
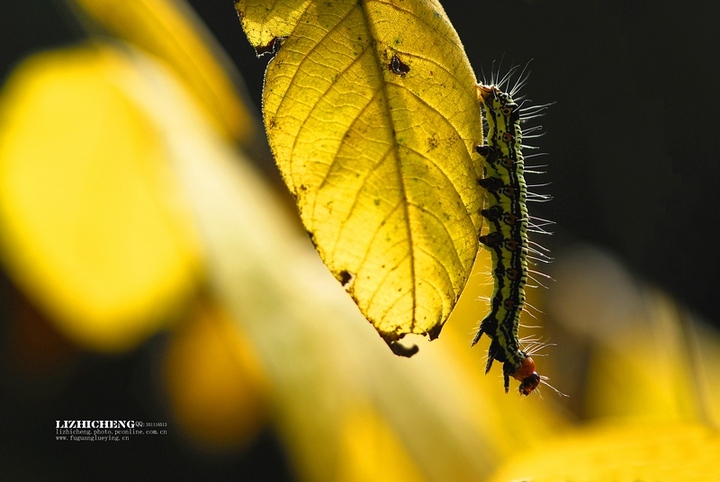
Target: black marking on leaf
{"points": [[345, 277], [398, 66], [271, 48]]}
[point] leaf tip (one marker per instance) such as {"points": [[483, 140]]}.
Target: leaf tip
{"points": [[435, 331]]}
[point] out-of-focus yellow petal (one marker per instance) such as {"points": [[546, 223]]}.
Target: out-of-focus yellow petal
{"points": [[632, 341], [170, 31], [91, 220], [646, 373], [217, 388], [667, 452], [371, 450]]}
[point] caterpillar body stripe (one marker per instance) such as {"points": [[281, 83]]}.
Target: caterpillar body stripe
{"points": [[507, 239]]}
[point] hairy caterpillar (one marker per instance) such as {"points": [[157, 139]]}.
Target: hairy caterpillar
{"points": [[507, 239]]}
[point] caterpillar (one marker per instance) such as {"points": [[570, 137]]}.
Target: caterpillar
{"points": [[507, 239]]}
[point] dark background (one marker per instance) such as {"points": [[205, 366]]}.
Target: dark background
{"points": [[634, 163]]}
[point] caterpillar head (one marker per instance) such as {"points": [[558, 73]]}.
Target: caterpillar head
{"points": [[528, 377]]}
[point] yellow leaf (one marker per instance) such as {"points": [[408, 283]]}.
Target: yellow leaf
{"points": [[623, 453], [371, 113], [91, 222], [371, 450], [170, 31], [218, 389], [264, 22]]}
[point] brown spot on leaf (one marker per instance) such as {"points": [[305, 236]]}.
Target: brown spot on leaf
{"points": [[398, 66], [271, 48], [344, 277]]}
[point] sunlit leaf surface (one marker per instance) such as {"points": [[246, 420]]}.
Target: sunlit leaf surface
{"points": [[371, 114]]}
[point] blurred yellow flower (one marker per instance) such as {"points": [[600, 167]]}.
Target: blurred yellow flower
{"points": [[624, 453], [93, 226], [168, 31], [217, 389]]}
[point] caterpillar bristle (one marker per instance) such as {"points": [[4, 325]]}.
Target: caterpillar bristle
{"points": [[531, 327], [532, 228], [543, 381], [542, 221], [532, 170], [539, 198]]}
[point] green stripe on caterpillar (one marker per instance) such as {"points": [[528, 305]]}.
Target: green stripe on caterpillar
{"points": [[507, 239]]}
